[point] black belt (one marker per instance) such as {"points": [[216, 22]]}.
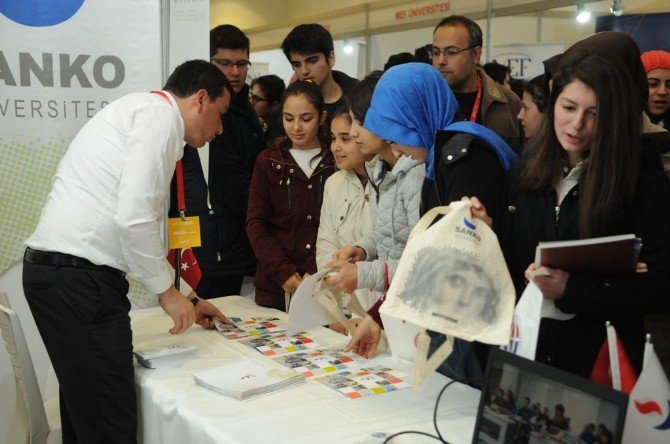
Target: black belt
{"points": [[64, 260]]}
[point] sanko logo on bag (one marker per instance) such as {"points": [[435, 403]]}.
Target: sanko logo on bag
{"points": [[469, 230], [40, 12]]}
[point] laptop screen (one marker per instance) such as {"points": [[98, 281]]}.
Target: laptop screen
{"points": [[527, 402]]}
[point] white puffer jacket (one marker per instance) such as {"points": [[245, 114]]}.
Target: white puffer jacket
{"points": [[345, 215], [393, 217], [345, 218]]}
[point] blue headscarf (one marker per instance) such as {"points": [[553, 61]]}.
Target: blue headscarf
{"points": [[412, 102]]}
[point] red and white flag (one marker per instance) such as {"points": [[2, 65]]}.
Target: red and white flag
{"points": [[648, 415], [189, 269], [612, 366]]}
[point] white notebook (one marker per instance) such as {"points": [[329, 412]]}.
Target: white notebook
{"points": [[247, 379]]}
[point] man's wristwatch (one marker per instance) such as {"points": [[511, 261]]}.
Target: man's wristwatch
{"points": [[194, 300]]}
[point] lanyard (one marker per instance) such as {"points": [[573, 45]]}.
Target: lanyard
{"points": [[181, 204], [181, 201], [478, 100]]}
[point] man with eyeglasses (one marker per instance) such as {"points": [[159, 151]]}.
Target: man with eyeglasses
{"points": [[217, 179], [456, 51], [310, 50]]}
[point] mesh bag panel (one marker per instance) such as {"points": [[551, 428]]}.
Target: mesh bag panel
{"points": [[452, 279]]}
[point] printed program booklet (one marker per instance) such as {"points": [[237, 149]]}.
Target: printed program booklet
{"points": [[611, 255], [365, 381], [164, 356], [247, 379], [280, 344], [321, 362], [243, 328]]}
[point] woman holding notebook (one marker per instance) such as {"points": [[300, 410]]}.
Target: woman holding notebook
{"points": [[584, 178]]}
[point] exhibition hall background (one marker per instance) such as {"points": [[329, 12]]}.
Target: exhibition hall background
{"points": [[58, 68]]}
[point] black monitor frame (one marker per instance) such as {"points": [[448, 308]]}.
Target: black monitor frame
{"points": [[498, 357]]}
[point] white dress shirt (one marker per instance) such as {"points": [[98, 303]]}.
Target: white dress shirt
{"points": [[106, 203]]}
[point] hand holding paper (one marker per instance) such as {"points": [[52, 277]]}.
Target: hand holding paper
{"points": [[291, 283], [549, 310], [349, 253], [206, 312], [346, 279], [550, 281]]}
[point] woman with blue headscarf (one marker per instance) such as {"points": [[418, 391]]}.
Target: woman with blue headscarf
{"points": [[412, 106]]}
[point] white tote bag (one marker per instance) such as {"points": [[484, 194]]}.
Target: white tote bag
{"points": [[452, 278]]}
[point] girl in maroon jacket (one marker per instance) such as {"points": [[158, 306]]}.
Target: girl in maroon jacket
{"points": [[285, 197]]}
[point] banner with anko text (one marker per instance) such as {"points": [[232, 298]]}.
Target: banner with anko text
{"points": [[61, 62]]}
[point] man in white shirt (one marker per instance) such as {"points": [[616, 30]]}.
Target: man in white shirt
{"points": [[102, 220]]}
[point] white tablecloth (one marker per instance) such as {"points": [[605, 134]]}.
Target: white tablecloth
{"points": [[173, 409]]}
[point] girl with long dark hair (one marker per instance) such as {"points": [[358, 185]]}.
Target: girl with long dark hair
{"points": [[584, 179], [285, 197]]}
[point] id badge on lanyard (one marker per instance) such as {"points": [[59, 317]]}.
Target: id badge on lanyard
{"points": [[183, 232]]}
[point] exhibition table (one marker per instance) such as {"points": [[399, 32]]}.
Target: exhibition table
{"points": [[173, 409]]}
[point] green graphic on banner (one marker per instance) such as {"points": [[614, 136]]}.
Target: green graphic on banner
{"points": [[26, 172], [25, 180]]}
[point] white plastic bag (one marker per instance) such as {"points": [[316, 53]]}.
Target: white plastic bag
{"points": [[526, 323]]}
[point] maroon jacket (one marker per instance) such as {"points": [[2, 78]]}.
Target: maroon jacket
{"points": [[283, 220]]}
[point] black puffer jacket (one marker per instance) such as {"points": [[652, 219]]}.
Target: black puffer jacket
{"points": [[225, 249], [464, 166]]}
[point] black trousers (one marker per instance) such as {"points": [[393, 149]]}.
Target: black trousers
{"points": [[82, 316]]}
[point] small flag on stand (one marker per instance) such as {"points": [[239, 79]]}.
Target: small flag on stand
{"points": [[189, 269], [612, 366], [648, 415]]}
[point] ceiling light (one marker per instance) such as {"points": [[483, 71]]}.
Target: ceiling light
{"points": [[583, 15], [617, 7], [348, 48]]}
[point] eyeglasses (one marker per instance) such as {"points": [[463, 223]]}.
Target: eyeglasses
{"points": [[254, 99], [227, 64], [449, 51]]}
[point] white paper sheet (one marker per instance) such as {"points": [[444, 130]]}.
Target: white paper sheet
{"points": [[305, 312]]}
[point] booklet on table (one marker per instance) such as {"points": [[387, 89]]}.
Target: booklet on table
{"points": [[247, 379]]}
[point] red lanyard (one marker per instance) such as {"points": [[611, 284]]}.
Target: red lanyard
{"points": [[181, 201], [478, 100]]}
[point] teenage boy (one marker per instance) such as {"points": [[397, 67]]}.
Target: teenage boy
{"points": [[309, 48], [217, 179]]}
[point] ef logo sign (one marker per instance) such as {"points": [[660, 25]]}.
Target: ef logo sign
{"points": [[38, 13]]}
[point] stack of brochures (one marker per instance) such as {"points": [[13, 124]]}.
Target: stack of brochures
{"points": [[165, 356], [247, 379]]}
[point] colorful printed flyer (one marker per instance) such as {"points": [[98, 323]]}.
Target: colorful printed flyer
{"points": [[243, 328], [280, 344], [321, 362], [366, 381]]}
